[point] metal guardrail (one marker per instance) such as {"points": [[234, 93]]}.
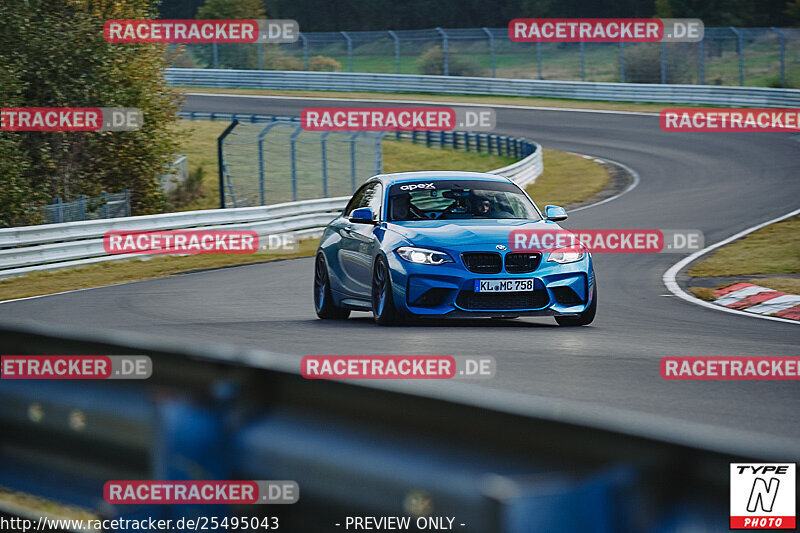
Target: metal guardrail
{"points": [[405, 83], [770, 52], [54, 246]]}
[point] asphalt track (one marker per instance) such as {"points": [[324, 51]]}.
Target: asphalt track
{"points": [[720, 183]]}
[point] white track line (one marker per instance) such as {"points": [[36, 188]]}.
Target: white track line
{"points": [[426, 102], [670, 275], [628, 189]]}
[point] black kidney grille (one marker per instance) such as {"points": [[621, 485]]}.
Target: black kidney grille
{"points": [[482, 262], [519, 263]]}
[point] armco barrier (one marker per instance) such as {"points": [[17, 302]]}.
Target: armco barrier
{"points": [[406, 83], [48, 247]]}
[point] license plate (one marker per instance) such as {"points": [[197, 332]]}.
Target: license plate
{"points": [[504, 285]]}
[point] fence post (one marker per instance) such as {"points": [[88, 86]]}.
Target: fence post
{"points": [[396, 50], [622, 62], [379, 152], [539, 58], [353, 160], [663, 63], [59, 211], [324, 153], [305, 50], [782, 43], [261, 182], [739, 53], [427, 138], [260, 56], [293, 149], [701, 48], [349, 50], [82, 207], [127, 194], [583, 60], [445, 51], [104, 196], [221, 162], [216, 54], [491, 49]]}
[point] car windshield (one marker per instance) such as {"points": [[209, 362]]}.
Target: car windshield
{"points": [[452, 199]]}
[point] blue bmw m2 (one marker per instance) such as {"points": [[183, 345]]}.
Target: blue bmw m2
{"points": [[436, 244]]}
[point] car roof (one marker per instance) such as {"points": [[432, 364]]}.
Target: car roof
{"points": [[434, 175]]}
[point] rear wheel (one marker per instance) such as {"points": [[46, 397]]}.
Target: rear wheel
{"points": [[323, 299], [383, 308], [583, 319]]}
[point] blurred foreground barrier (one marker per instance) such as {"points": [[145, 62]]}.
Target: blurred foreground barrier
{"points": [[408, 83], [496, 462]]}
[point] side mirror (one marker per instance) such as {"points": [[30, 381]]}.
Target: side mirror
{"points": [[555, 213], [362, 215]]}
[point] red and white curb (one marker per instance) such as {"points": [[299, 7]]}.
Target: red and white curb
{"points": [[761, 300], [670, 276]]}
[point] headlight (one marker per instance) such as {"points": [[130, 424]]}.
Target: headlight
{"points": [[565, 255], [423, 256]]}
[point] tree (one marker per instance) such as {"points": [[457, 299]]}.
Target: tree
{"points": [[232, 9], [793, 10], [53, 54], [663, 9]]}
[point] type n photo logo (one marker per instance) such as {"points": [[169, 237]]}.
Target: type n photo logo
{"points": [[763, 495]]}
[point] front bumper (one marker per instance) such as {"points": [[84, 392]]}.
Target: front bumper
{"points": [[447, 290]]}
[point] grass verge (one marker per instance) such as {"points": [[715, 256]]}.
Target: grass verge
{"points": [[774, 249], [567, 179]]}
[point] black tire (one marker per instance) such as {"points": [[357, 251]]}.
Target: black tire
{"points": [[383, 308], [324, 305], [583, 319]]}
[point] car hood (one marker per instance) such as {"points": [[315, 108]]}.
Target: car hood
{"points": [[454, 233]]}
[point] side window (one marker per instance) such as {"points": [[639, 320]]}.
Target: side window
{"points": [[367, 196], [355, 201], [372, 199]]}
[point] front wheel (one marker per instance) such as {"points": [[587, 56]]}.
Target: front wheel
{"points": [[583, 319], [323, 299], [383, 308]]}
